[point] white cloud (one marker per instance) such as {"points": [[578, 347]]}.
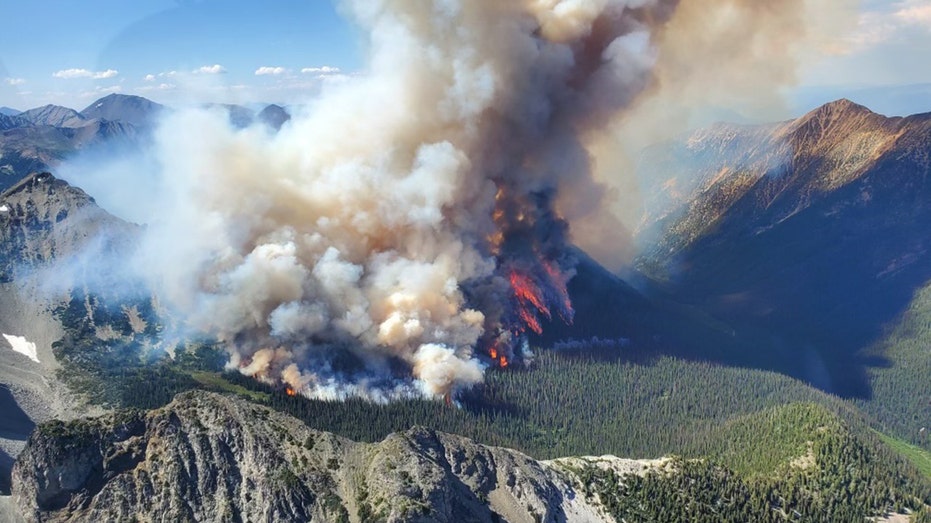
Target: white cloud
{"points": [[149, 78], [85, 73], [268, 70], [15, 81], [914, 12], [210, 69], [323, 70], [160, 87], [879, 26], [98, 91]]}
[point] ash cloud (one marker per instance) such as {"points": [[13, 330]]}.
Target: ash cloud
{"points": [[416, 215]]}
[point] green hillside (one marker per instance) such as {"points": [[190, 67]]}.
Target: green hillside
{"points": [[797, 462]]}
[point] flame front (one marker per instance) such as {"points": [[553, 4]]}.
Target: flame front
{"points": [[528, 297], [529, 244]]}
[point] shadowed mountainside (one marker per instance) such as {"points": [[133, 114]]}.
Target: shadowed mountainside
{"points": [[807, 237]]}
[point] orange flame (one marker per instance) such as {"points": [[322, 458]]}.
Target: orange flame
{"points": [[528, 298], [530, 320], [290, 392], [493, 352], [527, 292], [503, 361]]}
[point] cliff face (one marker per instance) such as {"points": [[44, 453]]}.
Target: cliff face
{"points": [[207, 457]]}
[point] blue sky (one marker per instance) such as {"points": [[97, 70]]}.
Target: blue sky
{"points": [[71, 52]]}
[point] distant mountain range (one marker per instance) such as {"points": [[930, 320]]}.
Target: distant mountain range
{"points": [[39, 139]]}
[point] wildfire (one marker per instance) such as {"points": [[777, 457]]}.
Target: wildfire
{"points": [[526, 243], [497, 355], [529, 301], [527, 292], [290, 392]]}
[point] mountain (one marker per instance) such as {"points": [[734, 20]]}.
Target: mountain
{"points": [[808, 237], [896, 100], [773, 244], [134, 110], [33, 148], [53, 115], [239, 116], [207, 457], [41, 219], [8, 111], [273, 116]]}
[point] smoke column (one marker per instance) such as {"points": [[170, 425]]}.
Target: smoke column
{"points": [[412, 216]]}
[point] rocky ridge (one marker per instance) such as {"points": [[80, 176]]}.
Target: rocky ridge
{"points": [[209, 457]]}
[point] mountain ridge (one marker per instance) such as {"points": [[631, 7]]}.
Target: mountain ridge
{"points": [[203, 457], [54, 116]]}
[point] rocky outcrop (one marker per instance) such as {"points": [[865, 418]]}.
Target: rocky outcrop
{"points": [[208, 457]]}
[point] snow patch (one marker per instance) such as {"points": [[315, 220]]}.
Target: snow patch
{"points": [[23, 346], [4, 208]]}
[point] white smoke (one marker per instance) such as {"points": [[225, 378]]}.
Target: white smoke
{"points": [[376, 223], [360, 223]]}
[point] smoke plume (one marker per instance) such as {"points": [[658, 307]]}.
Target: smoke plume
{"points": [[414, 219]]}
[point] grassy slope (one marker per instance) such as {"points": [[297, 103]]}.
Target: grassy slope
{"points": [[918, 456]]}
